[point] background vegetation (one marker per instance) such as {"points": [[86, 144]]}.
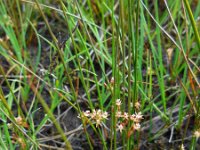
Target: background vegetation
{"points": [[98, 74]]}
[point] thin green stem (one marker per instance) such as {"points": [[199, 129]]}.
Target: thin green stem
{"points": [[194, 26]]}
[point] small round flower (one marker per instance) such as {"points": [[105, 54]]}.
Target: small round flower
{"points": [[118, 114], [133, 117], [118, 102], [93, 114], [136, 126], [105, 115], [139, 116], [120, 127], [98, 122], [98, 112], [197, 134], [86, 113], [125, 115], [112, 80], [136, 117], [137, 105], [19, 120]]}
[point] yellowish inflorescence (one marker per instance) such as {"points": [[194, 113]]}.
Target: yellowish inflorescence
{"points": [[97, 116], [123, 118]]}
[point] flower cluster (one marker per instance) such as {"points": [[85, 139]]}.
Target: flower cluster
{"points": [[98, 116], [19, 121], [16, 137], [124, 118]]}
